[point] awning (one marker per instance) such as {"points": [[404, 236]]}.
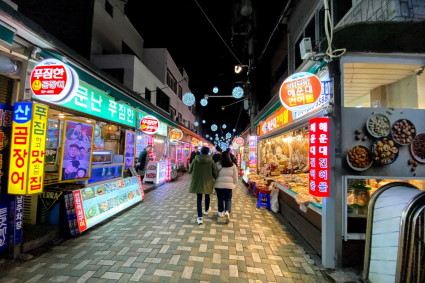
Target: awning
{"points": [[190, 133]]}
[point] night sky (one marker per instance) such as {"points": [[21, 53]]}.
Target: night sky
{"points": [[182, 28]]}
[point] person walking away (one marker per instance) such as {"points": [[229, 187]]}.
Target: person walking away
{"points": [[216, 157], [203, 171], [224, 184], [193, 154], [143, 161], [232, 157]]}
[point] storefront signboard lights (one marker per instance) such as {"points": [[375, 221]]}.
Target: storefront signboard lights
{"points": [[224, 126], [58, 88], [237, 92], [214, 127], [149, 124], [215, 89], [188, 98], [204, 102], [300, 91]]}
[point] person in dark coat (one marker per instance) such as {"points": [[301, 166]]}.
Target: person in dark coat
{"points": [[193, 154], [216, 157], [233, 157], [143, 160], [204, 171]]}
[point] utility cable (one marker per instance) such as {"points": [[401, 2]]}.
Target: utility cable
{"points": [[329, 34], [228, 47]]}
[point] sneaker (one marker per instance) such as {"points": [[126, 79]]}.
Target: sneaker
{"points": [[206, 212], [227, 216], [220, 214], [200, 220]]}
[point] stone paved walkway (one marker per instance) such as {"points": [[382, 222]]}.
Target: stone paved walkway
{"points": [[159, 241]]}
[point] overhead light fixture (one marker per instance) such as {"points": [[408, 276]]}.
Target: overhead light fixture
{"points": [[238, 69], [61, 115]]}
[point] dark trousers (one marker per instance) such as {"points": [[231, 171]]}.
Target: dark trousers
{"points": [[199, 203], [224, 199]]}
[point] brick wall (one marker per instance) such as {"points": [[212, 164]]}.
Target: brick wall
{"points": [[385, 10]]}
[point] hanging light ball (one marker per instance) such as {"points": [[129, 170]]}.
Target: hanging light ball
{"points": [[188, 98], [228, 135], [234, 130], [204, 102], [224, 126], [216, 138], [237, 92], [211, 138], [203, 121], [215, 89], [216, 135], [207, 136], [214, 127], [196, 124]]}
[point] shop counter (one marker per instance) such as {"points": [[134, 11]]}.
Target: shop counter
{"points": [[308, 223], [89, 206], [156, 172]]}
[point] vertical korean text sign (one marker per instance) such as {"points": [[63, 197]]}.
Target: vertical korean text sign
{"points": [[319, 157], [26, 165]]}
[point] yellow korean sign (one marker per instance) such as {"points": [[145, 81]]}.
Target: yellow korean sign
{"points": [[26, 165]]}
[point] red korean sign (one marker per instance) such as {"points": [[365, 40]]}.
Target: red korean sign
{"points": [[300, 91], [149, 124], [52, 81], [239, 159], [79, 210], [319, 157], [175, 134]]}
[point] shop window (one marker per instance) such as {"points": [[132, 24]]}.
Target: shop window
{"points": [[148, 94], [384, 85], [180, 93], [109, 8], [172, 112], [162, 100], [171, 81]]}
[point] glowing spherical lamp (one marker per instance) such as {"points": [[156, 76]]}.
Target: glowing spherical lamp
{"points": [[224, 126], [215, 89], [188, 98], [207, 136], [234, 130], [204, 102], [237, 92], [228, 135], [196, 124], [203, 121], [214, 127]]}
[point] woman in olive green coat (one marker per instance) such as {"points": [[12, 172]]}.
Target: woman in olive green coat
{"points": [[204, 171]]}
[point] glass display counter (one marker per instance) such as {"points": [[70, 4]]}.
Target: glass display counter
{"points": [[156, 172]]}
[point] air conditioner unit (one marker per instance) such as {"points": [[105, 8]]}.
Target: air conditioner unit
{"points": [[306, 50]]}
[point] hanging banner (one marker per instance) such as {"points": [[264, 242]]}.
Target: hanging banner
{"points": [[319, 157], [252, 149], [149, 124], [300, 91], [176, 134]]}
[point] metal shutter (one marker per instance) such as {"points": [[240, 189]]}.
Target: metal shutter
{"points": [[6, 89]]}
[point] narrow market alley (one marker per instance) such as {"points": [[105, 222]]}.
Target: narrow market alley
{"points": [[160, 241]]}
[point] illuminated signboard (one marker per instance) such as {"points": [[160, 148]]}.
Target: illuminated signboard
{"points": [[319, 157], [252, 150], [300, 91], [175, 134], [162, 127], [54, 82], [149, 124], [275, 121], [239, 141], [26, 165], [195, 141]]}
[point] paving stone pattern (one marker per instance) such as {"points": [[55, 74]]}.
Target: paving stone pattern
{"points": [[160, 241]]}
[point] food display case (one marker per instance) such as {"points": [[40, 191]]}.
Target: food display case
{"points": [[102, 157], [91, 205], [156, 172]]}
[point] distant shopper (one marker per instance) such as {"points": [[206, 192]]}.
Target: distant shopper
{"points": [[224, 184], [143, 161], [232, 157], [204, 171], [216, 157], [194, 153]]}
